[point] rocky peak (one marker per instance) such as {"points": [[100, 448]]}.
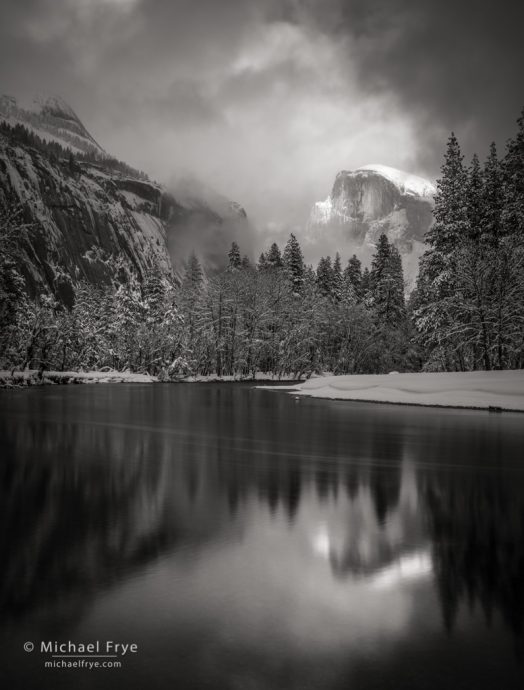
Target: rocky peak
{"points": [[372, 200], [52, 119]]}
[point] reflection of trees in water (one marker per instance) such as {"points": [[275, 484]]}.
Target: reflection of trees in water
{"points": [[384, 482], [80, 507], [281, 484], [476, 526], [382, 521]]}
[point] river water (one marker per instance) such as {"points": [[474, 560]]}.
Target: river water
{"points": [[243, 539]]}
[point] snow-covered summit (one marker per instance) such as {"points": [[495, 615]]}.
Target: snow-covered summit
{"points": [[54, 105], [406, 182], [52, 119], [368, 202]]}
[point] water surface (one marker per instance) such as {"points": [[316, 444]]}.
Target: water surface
{"points": [[247, 540]]}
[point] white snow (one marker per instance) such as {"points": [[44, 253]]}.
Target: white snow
{"points": [[407, 183], [57, 103], [473, 389], [322, 211], [134, 201], [34, 116], [31, 377], [227, 378]]}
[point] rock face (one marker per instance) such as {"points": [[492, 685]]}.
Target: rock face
{"points": [[372, 200], [76, 217], [81, 210]]}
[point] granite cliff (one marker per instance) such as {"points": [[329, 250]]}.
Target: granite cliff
{"points": [[81, 206]]}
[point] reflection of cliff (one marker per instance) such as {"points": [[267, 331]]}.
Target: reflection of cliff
{"points": [[84, 508], [477, 531], [381, 525], [113, 480]]}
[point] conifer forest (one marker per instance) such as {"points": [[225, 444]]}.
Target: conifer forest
{"points": [[281, 317]]}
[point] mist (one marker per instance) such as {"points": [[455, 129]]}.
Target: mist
{"points": [[206, 225], [265, 101]]}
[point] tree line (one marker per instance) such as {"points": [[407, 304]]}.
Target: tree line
{"points": [[468, 306], [281, 317]]}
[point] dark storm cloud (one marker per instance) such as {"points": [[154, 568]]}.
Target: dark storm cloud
{"points": [[454, 64], [266, 100]]}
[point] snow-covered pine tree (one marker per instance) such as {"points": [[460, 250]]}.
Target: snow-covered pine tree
{"points": [[190, 300], [235, 260], [450, 211], [365, 283], [493, 197], [262, 262], [387, 305], [510, 267], [274, 256], [338, 281], [438, 267], [353, 275], [494, 256], [387, 284], [13, 299], [380, 261], [468, 312], [475, 201], [193, 274], [513, 171], [154, 291], [325, 281], [294, 263]]}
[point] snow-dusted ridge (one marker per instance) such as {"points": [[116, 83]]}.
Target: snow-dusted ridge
{"points": [[406, 182], [52, 119], [334, 207]]}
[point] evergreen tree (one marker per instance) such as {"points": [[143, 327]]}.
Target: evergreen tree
{"points": [[379, 263], [513, 171], [493, 199], [235, 260], [365, 283], [353, 275], [262, 264], [294, 263], [338, 281], [450, 212], [325, 278], [154, 290], [274, 257], [193, 274], [387, 284], [475, 201], [191, 300], [439, 268]]}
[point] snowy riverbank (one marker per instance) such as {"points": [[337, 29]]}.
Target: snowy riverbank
{"points": [[475, 389], [33, 378], [259, 377]]}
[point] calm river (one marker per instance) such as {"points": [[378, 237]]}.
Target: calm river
{"points": [[245, 540]]}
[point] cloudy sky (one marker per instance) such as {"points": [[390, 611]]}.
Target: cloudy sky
{"points": [[266, 100]]}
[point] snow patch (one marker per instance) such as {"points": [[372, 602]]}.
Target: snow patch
{"points": [[406, 183], [503, 390]]}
